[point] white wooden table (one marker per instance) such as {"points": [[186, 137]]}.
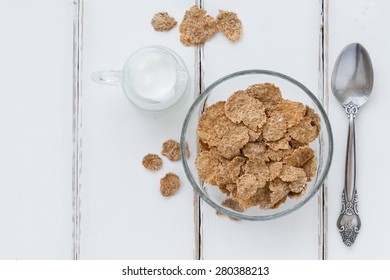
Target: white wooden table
{"points": [[71, 182]]}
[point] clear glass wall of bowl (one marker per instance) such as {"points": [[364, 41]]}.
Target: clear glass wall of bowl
{"points": [[221, 90]]}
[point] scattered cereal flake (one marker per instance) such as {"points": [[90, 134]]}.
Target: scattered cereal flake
{"points": [[197, 27], [240, 107], [275, 127], [254, 149], [169, 184], [310, 168], [219, 213], [171, 149], [257, 167], [299, 156], [274, 169], [291, 173], [293, 112], [308, 129], [232, 204], [235, 167], [281, 144], [163, 22], [247, 186], [230, 25], [152, 162], [267, 93]]}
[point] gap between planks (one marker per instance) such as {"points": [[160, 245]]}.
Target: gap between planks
{"points": [[76, 125], [198, 89], [322, 86], [324, 90]]}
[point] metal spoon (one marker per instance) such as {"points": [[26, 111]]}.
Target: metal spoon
{"points": [[352, 82]]}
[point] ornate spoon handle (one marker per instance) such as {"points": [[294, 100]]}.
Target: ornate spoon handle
{"points": [[349, 222]]}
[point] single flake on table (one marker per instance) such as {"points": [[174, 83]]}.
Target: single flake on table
{"points": [[152, 162], [169, 184], [230, 25], [163, 22], [171, 149], [197, 27]]}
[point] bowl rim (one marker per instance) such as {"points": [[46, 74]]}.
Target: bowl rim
{"points": [[204, 95]]}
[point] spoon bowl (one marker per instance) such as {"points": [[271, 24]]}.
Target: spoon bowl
{"points": [[353, 77]]}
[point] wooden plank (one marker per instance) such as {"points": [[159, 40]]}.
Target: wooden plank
{"points": [[364, 22], [123, 215], [76, 170], [283, 36], [36, 119]]}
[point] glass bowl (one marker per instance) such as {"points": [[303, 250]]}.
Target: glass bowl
{"points": [[221, 90]]}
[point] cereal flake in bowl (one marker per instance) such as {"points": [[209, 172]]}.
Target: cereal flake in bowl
{"points": [[264, 145]]}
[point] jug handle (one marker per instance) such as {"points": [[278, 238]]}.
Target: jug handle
{"points": [[107, 77]]}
